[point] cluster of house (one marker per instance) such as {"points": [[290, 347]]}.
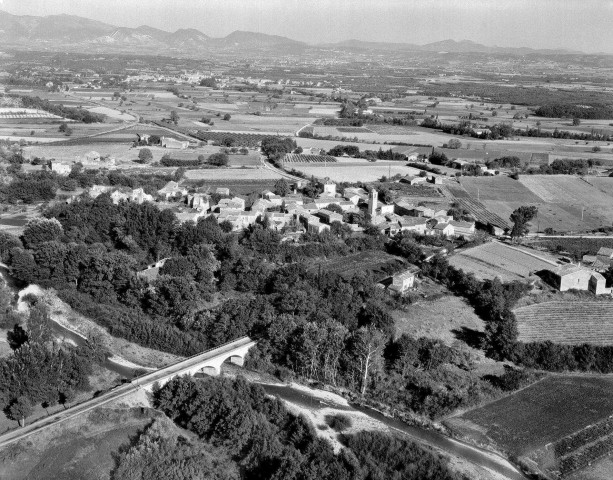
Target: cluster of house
{"points": [[307, 214], [90, 160]]}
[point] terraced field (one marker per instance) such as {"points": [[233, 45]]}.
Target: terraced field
{"points": [[571, 323]]}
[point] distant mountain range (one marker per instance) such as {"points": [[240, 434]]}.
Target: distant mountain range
{"points": [[78, 33]]}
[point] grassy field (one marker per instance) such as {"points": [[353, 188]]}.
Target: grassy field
{"points": [[495, 259], [540, 414], [81, 448], [569, 322]]}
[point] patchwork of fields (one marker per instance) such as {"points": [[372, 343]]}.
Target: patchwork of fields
{"points": [[568, 322], [495, 259], [565, 203]]}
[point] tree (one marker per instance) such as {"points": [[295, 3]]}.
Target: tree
{"points": [[20, 409], [227, 117], [576, 121], [39, 230], [438, 158], [281, 187], [454, 143], [367, 345], [219, 159], [145, 155], [67, 396], [174, 117], [520, 218]]}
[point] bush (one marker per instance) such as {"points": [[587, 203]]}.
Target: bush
{"points": [[338, 422]]}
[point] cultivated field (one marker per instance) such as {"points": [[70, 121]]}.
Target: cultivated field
{"points": [[569, 322], [547, 411], [495, 259], [561, 422], [302, 158], [357, 170], [565, 203], [232, 174], [378, 263]]}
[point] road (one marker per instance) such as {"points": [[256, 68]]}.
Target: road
{"points": [[124, 390]]}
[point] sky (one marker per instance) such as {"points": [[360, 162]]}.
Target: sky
{"points": [[584, 25]]}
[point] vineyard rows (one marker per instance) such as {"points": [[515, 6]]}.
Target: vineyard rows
{"points": [[302, 158], [577, 440], [587, 455], [481, 214], [571, 323], [250, 140]]}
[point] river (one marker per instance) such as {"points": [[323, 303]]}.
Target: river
{"points": [[456, 448]]}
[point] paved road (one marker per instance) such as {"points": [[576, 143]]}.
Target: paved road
{"points": [[178, 368]]}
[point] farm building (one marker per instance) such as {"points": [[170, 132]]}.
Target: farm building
{"points": [[222, 191], [278, 220], [574, 277], [172, 189], [198, 201], [444, 229], [60, 168], [401, 282], [463, 228], [354, 195], [411, 180], [435, 179], [238, 219], [261, 205], [174, 144], [413, 224], [329, 188], [421, 212], [235, 203], [152, 271], [329, 216], [413, 154]]}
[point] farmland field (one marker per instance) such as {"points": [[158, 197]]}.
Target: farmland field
{"points": [[577, 247], [232, 174], [378, 263], [302, 158], [583, 207], [568, 322], [495, 259], [542, 413], [356, 171]]}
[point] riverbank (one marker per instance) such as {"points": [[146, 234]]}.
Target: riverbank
{"points": [[123, 352], [315, 404]]}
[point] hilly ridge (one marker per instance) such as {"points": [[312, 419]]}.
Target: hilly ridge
{"points": [[79, 33]]}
